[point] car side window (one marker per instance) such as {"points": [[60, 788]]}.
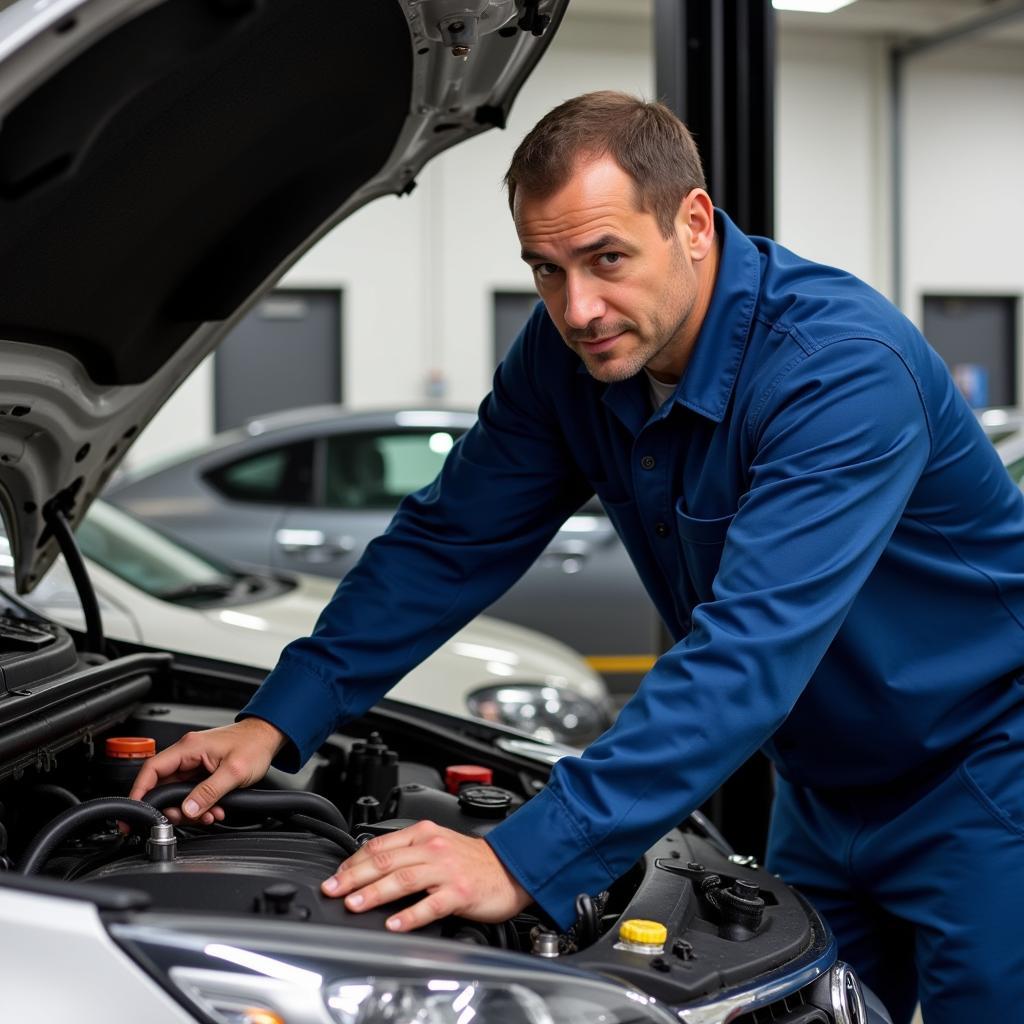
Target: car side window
{"points": [[279, 476], [375, 471]]}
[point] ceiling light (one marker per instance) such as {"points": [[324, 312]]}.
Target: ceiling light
{"points": [[814, 6]]}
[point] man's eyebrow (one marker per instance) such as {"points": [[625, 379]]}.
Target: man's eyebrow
{"points": [[604, 242]]}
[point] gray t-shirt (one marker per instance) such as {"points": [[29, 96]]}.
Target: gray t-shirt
{"points": [[660, 393]]}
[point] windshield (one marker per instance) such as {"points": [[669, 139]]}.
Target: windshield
{"points": [[143, 557]]}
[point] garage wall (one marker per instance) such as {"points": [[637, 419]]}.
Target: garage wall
{"points": [[418, 272], [964, 163], [831, 184]]}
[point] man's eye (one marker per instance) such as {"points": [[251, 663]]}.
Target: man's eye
{"points": [[545, 269], [610, 258]]}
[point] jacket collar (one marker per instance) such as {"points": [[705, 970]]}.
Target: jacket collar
{"points": [[710, 376]]}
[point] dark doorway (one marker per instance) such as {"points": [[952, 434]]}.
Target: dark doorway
{"points": [[285, 353], [976, 336], [511, 311]]}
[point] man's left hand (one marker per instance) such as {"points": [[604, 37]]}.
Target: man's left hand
{"points": [[460, 874]]}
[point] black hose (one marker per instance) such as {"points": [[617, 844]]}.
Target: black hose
{"points": [[56, 519], [322, 828], [586, 912], [57, 792], [74, 818], [282, 803]]}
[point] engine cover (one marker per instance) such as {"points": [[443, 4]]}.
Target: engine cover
{"points": [[275, 874]]}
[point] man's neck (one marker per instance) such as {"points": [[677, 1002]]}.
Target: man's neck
{"points": [[707, 275]]}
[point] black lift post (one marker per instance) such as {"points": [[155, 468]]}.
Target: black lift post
{"points": [[715, 67]]}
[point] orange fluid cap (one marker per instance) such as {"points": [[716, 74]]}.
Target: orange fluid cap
{"points": [[456, 775], [131, 746]]}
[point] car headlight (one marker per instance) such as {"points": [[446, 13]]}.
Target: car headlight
{"points": [[449, 1000], [234, 982], [547, 712]]}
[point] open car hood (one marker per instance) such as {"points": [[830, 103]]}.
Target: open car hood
{"points": [[163, 163]]}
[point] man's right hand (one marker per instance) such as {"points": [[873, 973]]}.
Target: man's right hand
{"points": [[233, 756]]}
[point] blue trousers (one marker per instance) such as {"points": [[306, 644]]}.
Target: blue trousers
{"points": [[922, 883]]}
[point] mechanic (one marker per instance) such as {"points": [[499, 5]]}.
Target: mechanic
{"points": [[821, 523]]}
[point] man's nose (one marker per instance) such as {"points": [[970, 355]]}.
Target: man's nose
{"points": [[583, 303]]}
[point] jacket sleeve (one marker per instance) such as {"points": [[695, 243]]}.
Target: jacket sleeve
{"points": [[838, 445], [451, 549]]}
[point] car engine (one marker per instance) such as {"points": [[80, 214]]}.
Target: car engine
{"points": [[74, 730]]}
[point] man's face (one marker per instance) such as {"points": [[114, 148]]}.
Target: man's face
{"points": [[619, 292]]}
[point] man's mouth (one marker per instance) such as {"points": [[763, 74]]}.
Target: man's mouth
{"points": [[600, 344]]}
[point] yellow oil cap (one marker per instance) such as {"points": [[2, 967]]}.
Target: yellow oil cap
{"points": [[647, 933]]}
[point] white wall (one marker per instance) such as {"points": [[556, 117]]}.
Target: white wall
{"points": [[964, 173], [832, 153], [419, 272]]}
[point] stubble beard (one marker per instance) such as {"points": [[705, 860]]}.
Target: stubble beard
{"points": [[609, 368], [664, 332]]}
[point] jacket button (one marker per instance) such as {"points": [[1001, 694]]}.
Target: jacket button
{"points": [[661, 529], [647, 462]]}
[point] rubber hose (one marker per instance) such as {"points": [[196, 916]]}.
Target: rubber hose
{"points": [[74, 818], [322, 828], [57, 792], [282, 803], [586, 912]]}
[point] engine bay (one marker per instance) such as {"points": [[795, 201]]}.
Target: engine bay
{"points": [[75, 728]]}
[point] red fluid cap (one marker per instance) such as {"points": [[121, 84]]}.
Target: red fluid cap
{"points": [[456, 775], [131, 746]]}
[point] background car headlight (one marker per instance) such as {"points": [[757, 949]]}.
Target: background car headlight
{"points": [[547, 712]]}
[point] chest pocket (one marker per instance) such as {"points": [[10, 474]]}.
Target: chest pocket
{"points": [[701, 541]]}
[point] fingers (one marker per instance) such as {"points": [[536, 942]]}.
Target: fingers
{"points": [[178, 762], [432, 908], [161, 767], [175, 817], [460, 874], [200, 803], [233, 755], [380, 877]]}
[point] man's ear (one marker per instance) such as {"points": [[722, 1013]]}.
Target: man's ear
{"points": [[695, 223]]}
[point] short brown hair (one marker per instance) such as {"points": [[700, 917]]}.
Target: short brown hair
{"points": [[647, 141]]}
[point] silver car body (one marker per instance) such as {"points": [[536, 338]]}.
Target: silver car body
{"points": [[307, 489]]}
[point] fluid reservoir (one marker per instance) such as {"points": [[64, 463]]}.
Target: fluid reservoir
{"points": [[114, 773]]}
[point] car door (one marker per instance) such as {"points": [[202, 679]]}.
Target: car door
{"points": [[362, 476], [254, 492]]}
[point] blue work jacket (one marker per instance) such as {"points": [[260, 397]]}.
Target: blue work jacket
{"points": [[827, 533]]}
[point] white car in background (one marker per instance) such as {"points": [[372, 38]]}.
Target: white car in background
{"points": [[153, 591], [1011, 451]]}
